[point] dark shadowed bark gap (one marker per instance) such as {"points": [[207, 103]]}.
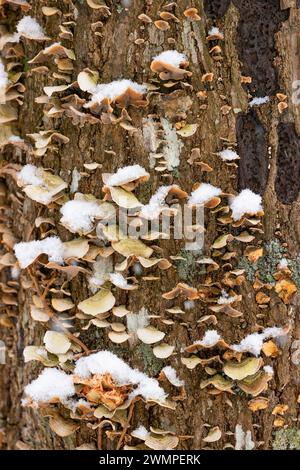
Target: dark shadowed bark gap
{"points": [[287, 184], [216, 8], [253, 151], [259, 21]]}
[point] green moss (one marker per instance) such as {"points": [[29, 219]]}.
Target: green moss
{"points": [[287, 439], [152, 365], [187, 268]]}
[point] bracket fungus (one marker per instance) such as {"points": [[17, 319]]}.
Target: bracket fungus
{"points": [[170, 65], [40, 185]]}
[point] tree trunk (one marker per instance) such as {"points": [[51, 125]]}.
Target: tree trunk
{"points": [[261, 42]]}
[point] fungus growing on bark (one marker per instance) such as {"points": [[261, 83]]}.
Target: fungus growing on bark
{"points": [[122, 93], [246, 203], [29, 28], [40, 185], [171, 65], [192, 14], [28, 252]]}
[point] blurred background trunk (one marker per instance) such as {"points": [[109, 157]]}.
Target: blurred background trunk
{"points": [[261, 41]]}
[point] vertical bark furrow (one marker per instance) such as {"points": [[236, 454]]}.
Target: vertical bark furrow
{"points": [[259, 21], [216, 8], [252, 144], [287, 183]]}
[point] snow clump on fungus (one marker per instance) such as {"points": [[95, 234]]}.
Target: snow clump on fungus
{"points": [[51, 384], [79, 215], [246, 202], [29, 28], [27, 252], [228, 155], [210, 338], [204, 193], [126, 175], [170, 64], [122, 92], [105, 362], [253, 343]]}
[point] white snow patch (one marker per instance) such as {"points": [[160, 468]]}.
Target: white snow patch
{"points": [[51, 383], [29, 175], [203, 194], [27, 252], [152, 210], [171, 375], [30, 28], [170, 57], [141, 433], [259, 101], [225, 299], [247, 202], [228, 155], [253, 343], [114, 89], [79, 215], [210, 338], [125, 174], [106, 362], [214, 31], [269, 370]]}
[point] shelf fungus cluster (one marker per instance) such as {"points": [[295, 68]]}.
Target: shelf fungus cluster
{"points": [[82, 235]]}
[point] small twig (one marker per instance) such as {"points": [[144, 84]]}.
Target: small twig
{"points": [[53, 316], [127, 425], [48, 285]]}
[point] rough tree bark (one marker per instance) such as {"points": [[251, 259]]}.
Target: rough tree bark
{"points": [[260, 41]]}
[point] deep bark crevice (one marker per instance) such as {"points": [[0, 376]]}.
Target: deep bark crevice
{"points": [[287, 183], [252, 145]]}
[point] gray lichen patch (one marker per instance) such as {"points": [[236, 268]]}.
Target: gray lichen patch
{"points": [[187, 267], [267, 265], [287, 439], [152, 365]]}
